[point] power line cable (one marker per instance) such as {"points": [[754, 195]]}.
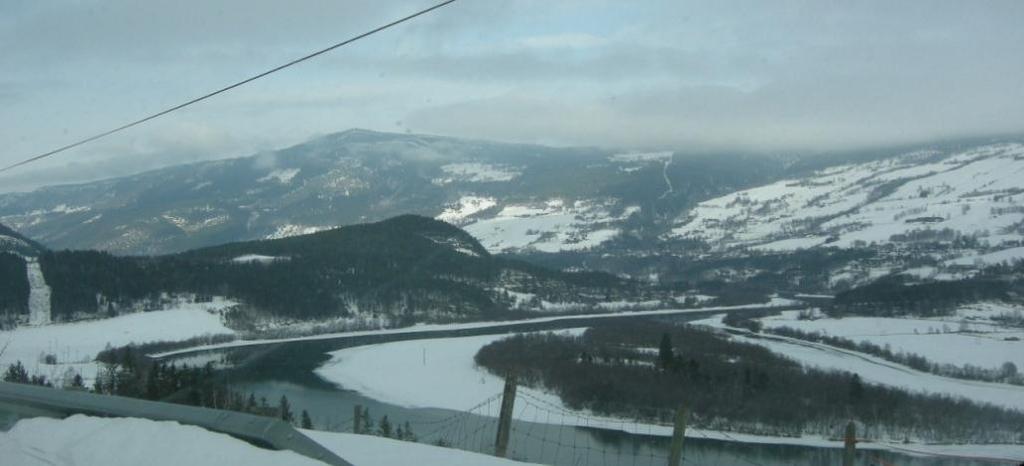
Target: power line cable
{"points": [[226, 88]]}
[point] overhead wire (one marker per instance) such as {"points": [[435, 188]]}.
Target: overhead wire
{"points": [[225, 88]]}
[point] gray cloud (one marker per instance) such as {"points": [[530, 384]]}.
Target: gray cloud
{"points": [[768, 76]]}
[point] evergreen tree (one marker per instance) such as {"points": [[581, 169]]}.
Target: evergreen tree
{"points": [[307, 423], [384, 429], [285, 410], [16, 373], [367, 426], [153, 382], [856, 390], [665, 353], [407, 433]]}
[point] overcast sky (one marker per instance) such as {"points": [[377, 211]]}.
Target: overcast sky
{"points": [[765, 76]]}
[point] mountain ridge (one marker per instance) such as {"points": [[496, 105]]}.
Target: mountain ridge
{"points": [[360, 176], [399, 271]]}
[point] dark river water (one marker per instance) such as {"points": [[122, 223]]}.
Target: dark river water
{"points": [[287, 369]]}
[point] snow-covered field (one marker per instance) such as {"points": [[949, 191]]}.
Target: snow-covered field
{"points": [[879, 371], [433, 373], [973, 192], [283, 176], [940, 340], [84, 440], [257, 258], [75, 344], [466, 207], [476, 172], [449, 379], [285, 231], [550, 226]]}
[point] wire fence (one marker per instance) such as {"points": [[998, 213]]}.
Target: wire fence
{"points": [[546, 432]]}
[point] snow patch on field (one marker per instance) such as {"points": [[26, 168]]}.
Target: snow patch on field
{"points": [[550, 226], [60, 209], [76, 344], [288, 230], [997, 257], [466, 207], [942, 341], [642, 157], [283, 176], [879, 371], [476, 172], [257, 258], [420, 373]]}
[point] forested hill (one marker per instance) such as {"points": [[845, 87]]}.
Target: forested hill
{"points": [[402, 270], [14, 242]]}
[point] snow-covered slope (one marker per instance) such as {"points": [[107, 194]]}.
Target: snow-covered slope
{"points": [[38, 295], [945, 340], [360, 176], [347, 178], [923, 195], [550, 226]]}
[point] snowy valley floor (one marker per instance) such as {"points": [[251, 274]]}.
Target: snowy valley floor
{"points": [[396, 372], [441, 373], [75, 345], [879, 371]]}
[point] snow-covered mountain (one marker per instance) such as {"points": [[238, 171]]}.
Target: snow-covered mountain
{"points": [[971, 199], [511, 196], [936, 211]]}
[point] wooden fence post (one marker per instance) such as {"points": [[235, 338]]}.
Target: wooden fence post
{"points": [[508, 401], [850, 440], [678, 434]]}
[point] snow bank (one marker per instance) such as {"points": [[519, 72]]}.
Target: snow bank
{"points": [[84, 440], [365, 450]]}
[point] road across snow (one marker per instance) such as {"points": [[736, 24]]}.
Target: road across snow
{"points": [[774, 303]]}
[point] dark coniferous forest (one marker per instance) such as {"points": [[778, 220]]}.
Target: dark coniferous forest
{"points": [[645, 371]]}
